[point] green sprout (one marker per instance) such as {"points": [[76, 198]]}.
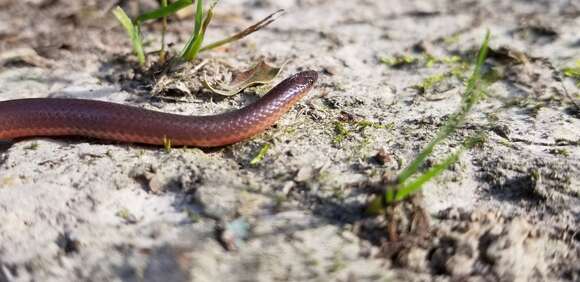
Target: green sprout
{"points": [[416, 184], [405, 186], [261, 154], [194, 45], [163, 31], [134, 32], [32, 146], [167, 144], [164, 11]]}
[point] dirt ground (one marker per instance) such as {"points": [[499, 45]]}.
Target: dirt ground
{"points": [[79, 209]]}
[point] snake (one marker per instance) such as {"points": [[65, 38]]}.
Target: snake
{"points": [[51, 117]]}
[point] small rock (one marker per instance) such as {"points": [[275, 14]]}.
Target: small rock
{"points": [[383, 157], [305, 173]]}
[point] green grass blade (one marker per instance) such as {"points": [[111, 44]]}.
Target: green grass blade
{"points": [[249, 30], [404, 190], [187, 51], [471, 96], [163, 32], [133, 31], [418, 183], [261, 154], [164, 11], [473, 93], [194, 45], [419, 160], [198, 17], [124, 19], [138, 45]]}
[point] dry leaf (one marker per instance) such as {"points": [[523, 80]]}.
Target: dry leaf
{"points": [[261, 73]]}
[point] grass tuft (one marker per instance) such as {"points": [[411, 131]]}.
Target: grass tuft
{"points": [[134, 32], [416, 184], [194, 44], [164, 11], [249, 30], [473, 93]]}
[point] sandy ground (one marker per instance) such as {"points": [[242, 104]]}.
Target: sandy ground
{"points": [[78, 209]]}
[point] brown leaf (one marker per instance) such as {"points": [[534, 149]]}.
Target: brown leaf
{"points": [[261, 73]]}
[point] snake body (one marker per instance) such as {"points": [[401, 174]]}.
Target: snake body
{"points": [[68, 117]]}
